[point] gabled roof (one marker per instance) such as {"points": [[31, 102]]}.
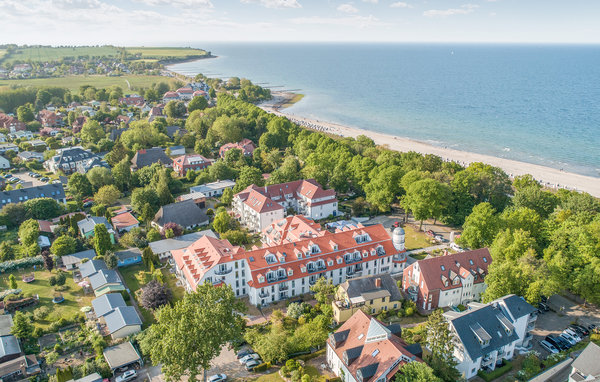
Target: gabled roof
{"points": [[124, 220], [88, 224], [517, 307], [121, 317], [104, 277], [6, 323], [162, 246], [128, 253], [365, 288], [90, 267], [588, 362], [146, 157], [293, 228], [75, 258], [185, 213], [54, 191], [106, 303]]}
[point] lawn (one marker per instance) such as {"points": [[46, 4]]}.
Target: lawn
{"points": [[129, 274], [414, 239], [129, 83], [271, 377], [158, 53], [73, 295], [47, 53]]}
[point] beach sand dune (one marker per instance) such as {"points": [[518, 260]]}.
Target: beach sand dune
{"points": [[548, 176]]}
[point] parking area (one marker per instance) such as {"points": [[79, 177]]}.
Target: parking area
{"points": [[227, 363], [563, 312], [24, 176]]}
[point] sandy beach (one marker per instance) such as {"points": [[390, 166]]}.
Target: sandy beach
{"points": [[549, 177]]}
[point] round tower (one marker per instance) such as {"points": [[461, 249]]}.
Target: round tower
{"points": [[398, 238]]}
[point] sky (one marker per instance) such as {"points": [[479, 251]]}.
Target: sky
{"points": [[189, 22]]}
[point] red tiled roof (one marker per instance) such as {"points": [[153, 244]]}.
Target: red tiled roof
{"points": [[293, 228], [124, 220], [458, 264]]}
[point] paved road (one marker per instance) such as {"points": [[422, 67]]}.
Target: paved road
{"points": [[427, 249]]}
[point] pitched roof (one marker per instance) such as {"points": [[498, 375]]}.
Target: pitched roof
{"points": [[124, 220], [121, 317], [146, 157], [75, 258], [516, 306], [365, 288], [128, 253], [436, 270], [121, 355], [71, 154], [475, 327], [162, 246], [9, 345], [103, 277], [106, 303], [213, 186], [587, 362], [185, 213], [6, 323], [88, 224], [54, 191], [368, 348], [190, 160], [90, 267], [293, 228]]}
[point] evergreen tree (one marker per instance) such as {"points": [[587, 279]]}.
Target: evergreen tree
{"points": [[102, 241]]}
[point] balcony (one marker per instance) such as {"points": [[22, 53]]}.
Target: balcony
{"points": [[283, 287], [263, 294], [487, 360], [222, 271], [312, 281]]}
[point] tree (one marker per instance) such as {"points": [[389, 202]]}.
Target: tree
{"points": [[148, 213], [416, 372], [480, 227], [42, 208], [426, 198], [439, 341], [16, 212], [323, 290], [12, 281], [295, 310], [154, 295], [227, 196], [248, 175], [25, 114], [484, 183], [6, 251], [190, 334], [29, 232], [222, 222], [102, 241], [153, 235], [22, 327], [174, 227], [197, 103], [107, 195], [79, 186], [111, 260], [122, 174], [543, 202], [92, 132], [140, 197], [99, 176], [226, 129], [64, 245], [525, 181], [48, 260], [175, 109], [384, 188]]}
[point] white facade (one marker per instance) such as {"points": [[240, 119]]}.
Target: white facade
{"points": [[254, 220], [465, 292]]}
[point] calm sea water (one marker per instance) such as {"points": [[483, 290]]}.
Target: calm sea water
{"points": [[538, 104]]}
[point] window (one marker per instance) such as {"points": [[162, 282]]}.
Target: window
{"points": [[443, 267], [485, 260]]}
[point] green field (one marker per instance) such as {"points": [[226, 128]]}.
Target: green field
{"points": [[47, 53], [74, 82], [2, 52], [73, 295], [414, 239], [158, 53]]}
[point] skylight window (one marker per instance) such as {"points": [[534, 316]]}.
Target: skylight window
{"points": [[471, 262], [485, 260], [443, 267], [361, 336], [375, 352]]}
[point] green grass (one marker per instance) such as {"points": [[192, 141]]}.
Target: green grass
{"points": [[158, 53], [271, 377], [47, 53], [415, 239], [314, 373], [2, 53], [73, 295], [74, 82]]}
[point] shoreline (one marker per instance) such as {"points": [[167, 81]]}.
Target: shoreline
{"points": [[549, 177]]}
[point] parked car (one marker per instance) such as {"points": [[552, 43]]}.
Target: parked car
{"points": [[56, 181], [217, 378], [591, 327], [456, 247], [250, 365], [244, 352], [127, 376], [44, 179], [581, 330], [573, 334], [568, 338], [543, 307], [565, 344], [429, 233], [35, 175], [560, 345], [396, 224], [88, 204], [252, 356], [548, 346]]}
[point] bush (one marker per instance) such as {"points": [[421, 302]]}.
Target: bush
{"points": [[498, 371], [27, 262], [262, 367], [41, 313], [125, 295]]}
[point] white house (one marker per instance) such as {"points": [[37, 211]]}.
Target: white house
{"points": [[487, 334], [213, 189]]}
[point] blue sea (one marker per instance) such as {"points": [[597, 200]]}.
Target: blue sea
{"points": [[534, 103]]}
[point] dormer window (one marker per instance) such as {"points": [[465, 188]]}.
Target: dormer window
{"points": [[303, 269], [365, 254], [339, 260], [290, 272], [330, 262], [270, 258], [261, 279]]}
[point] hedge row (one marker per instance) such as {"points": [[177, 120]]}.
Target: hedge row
{"points": [[11, 265], [496, 373]]}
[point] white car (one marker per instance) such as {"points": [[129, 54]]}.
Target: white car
{"points": [[217, 378], [568, 338], [129, 375], [249, 357], [572, 334], [548, 346], [456, 247]]}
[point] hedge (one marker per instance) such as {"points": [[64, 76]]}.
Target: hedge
{"points": [[496, 373], [26, 262], [262, 367]]}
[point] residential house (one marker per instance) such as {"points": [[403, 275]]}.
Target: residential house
{"points": [[50, 131], [290, 229], [91, 267], [586, 366], [21, 134], [485, 335], [73, 261], [31, 156], [375, 294], [276, 273], [54, 191], [198, 198], [122, 356], [186, 214], [163, 248], [49, 118], [4, 147], [38, 143], [78, 123], [72, 159], [245, 145], [4, 163], [123, 220], [363, 349], [258, 207], [9, 344], [173, 131], [20, 368], [87, 226], [128, 256], [185, 93], [11, 123], [449, 280], [2, 138], [105, 281], [170, 96], [176, 150], [213, 189], [183, 163], [116, 318], [132, 100], [147, 157]]}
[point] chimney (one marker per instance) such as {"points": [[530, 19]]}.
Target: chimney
{"points": [[378, 283]]}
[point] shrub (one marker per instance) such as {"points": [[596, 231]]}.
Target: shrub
{"points": [[41, 313], [409, 311], [262, 367], [496, 373], [125, 295], [51, 357]]}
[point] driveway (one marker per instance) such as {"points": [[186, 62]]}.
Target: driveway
{"points": [[228, 363], [26, 178]]}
